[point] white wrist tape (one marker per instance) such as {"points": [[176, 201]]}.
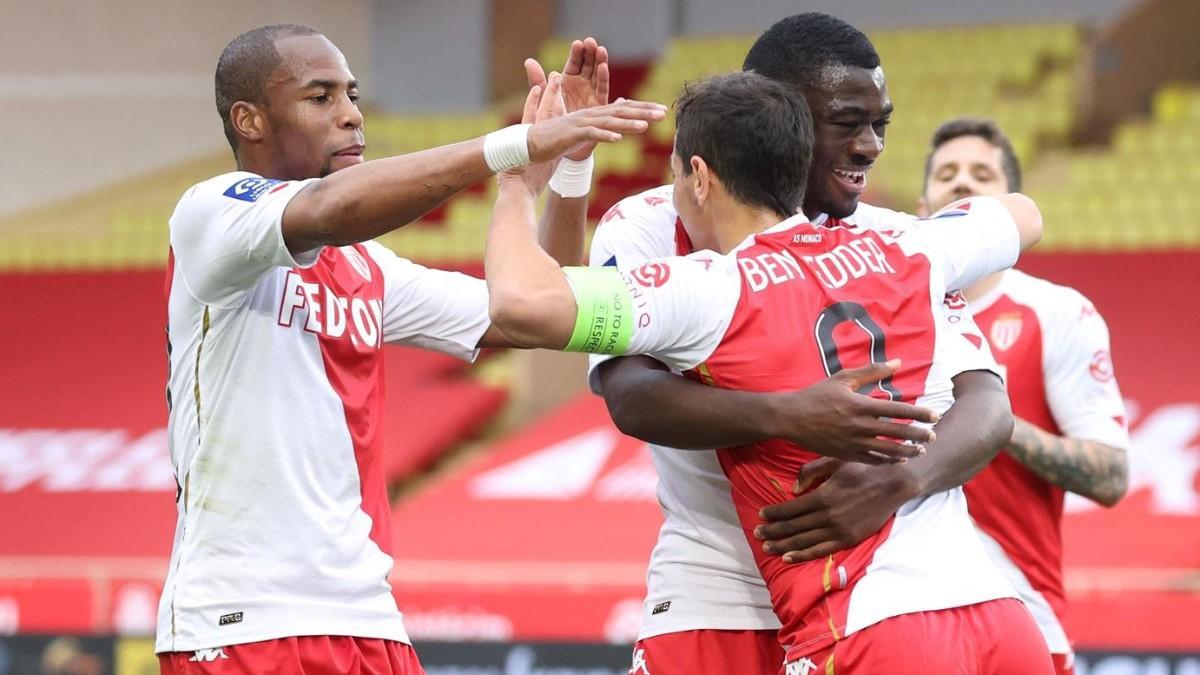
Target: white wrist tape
{"points": [[507, 148], [572, 178]]}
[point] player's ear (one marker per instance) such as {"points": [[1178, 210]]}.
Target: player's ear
{"points": [[702, 185], [249, 121], [922, 207]]}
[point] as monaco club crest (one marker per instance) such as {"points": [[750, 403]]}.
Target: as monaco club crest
{"points": [[357, 262], [1005, 331]]}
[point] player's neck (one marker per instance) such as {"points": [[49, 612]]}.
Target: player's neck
{"points": [[263, 165], [733, 222], [986, 285]]}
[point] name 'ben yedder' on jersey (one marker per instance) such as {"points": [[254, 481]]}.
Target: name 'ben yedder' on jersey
{"points": [[275, 394], [786, 309]]}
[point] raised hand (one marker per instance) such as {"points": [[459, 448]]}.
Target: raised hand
{"points": [[552, 138], [585, 82], [544, 102]]}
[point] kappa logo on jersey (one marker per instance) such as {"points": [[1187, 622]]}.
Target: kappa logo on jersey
{"points": [[1005, 331], [655, 201], [331, 315], [208, 655], [357, 262], [250, 189], [614, 212], [639, 663], [652, 275], [802, 667], [1101, 366]]}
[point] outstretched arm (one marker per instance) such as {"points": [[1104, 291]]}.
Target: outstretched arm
{"points": [[364, 201], [829, 418], [530, 301], [855, 500]]}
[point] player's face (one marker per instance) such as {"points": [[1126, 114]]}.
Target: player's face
{"points": [[851, 110], [315, 127], [962, 167]]}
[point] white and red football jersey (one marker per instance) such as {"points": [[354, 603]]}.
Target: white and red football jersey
{"points": [[702, 574], [1055, 349], [783, 311], [275, 394]]}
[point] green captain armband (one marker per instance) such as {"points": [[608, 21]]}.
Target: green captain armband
{"points": [[604, 324]]}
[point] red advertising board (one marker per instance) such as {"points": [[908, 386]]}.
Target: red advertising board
{"points": [[546, 534]]}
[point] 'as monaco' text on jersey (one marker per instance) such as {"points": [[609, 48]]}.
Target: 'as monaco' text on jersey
{"points": [[275, 402], [783, 311], [1054, 348]]}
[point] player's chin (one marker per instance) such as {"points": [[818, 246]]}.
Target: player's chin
{"points": [[840, 202], [338, 162]]}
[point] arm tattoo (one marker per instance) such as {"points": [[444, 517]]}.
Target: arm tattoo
{"points": [[1089, 468]]}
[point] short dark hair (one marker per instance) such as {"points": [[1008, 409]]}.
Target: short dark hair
{"points": [[755, 134], [796, 49], [245, 65], [986, 129]]}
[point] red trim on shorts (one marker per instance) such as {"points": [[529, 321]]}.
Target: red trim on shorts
{"points": [[308, 655], [708, 652]]}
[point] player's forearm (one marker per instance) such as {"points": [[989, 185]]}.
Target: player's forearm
{"points": [[530, 300], [1097, 471], [362, 202], [1026, 215], [561, 229], [650, 403], [969, 435]]}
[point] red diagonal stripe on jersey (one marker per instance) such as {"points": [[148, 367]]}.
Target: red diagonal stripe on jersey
{"points": [[355, 372]]}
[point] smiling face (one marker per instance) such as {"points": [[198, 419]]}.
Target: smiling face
{"points": [[851, 110], [313, 125]]}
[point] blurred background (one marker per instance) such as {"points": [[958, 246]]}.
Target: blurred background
{"points": [[523, 520]]}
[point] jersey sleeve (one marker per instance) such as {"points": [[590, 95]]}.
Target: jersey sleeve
{"points": [[965, 244], [674, 309], [1081, 387], [635, 230], [227, 232], [429, 308], [967, 349]]}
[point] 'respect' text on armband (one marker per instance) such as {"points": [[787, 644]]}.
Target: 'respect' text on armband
{"points": [[604, 324]]}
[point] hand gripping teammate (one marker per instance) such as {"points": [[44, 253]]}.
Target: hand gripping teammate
{"points": [[778, 304], [705, 601]]}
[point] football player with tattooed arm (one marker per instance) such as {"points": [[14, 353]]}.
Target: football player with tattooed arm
{"points": [[278, 308], [1069, 434], [774, 302], [704, 594]]}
